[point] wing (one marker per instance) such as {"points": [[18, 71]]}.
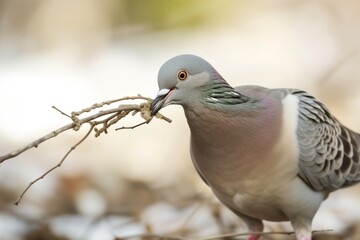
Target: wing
{"points": [[329, 152]]}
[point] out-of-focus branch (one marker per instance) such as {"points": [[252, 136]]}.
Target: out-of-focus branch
{"points": [[103, 118], [224, 236]]}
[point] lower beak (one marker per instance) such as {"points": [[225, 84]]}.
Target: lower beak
{"points": [[159, 101]]}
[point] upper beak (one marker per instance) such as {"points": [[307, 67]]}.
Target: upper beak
{"points": [[160, 99]]}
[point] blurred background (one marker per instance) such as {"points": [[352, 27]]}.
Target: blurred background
{"points": [[71, 54]]}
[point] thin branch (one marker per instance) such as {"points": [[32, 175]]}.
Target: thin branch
{"points": [[36, 143], [113, 119], [112, 116], [57, 165], [99, 105], [162, 117], [231, 235], [61, 112], [132, 127]]}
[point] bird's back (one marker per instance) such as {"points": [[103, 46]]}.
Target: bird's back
{"points": [[329, 152]]}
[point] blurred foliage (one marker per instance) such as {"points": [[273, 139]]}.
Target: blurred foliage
{"points": [[44, 23], [162, 14]]}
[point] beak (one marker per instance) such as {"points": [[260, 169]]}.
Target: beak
{"points": [[160, 100]]}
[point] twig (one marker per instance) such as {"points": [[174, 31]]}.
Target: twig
{"points": [[37, 142], [110, 121], [112, 117], [166, 237], [61, 112], [162, 117], [132, 127], [57, 165], [230, 235], [99, 105]]}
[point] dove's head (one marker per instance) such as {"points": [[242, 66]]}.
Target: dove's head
{"points": [[181, 80]]}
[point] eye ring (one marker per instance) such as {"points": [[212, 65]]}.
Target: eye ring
{"points": [[182, 75]]}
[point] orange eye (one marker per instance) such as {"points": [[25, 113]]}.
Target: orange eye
{"points": [[182, 75]]}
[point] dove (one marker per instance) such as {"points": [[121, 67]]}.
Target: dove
{"points": [[267, 154]]}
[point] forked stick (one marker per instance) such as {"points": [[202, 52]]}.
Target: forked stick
{"points": [[104, 118], [224, 236]]}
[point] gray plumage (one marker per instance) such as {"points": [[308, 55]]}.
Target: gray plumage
{"points": [[267, 154], [329, 152]]}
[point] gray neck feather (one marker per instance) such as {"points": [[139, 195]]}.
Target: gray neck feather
{"points": [[221, 92]]}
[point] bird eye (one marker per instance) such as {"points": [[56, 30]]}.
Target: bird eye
{"points": [[182, 75]]}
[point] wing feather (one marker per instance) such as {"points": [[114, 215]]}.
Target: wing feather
{"points": [[329, 152]]}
